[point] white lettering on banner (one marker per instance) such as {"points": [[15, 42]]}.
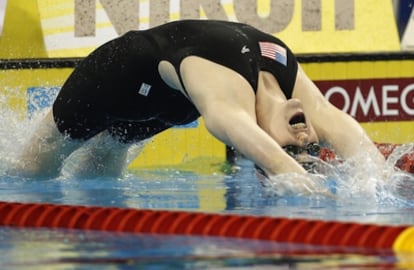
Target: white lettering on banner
{"points": [[375, 101], [124, 14], [3, 4], [386, 100], [344, 94], [404, 96], [371, 101]]}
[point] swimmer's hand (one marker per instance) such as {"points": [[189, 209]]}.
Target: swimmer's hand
{"points": [[313, 183], [295, 184]]}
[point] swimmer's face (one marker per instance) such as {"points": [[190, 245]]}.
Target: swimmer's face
{"points": [[290, 126]]}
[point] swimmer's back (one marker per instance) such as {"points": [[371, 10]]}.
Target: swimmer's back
{"points": [[119, 82]]}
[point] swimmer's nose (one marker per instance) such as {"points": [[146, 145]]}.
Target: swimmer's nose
{"points": [[295, 101]]}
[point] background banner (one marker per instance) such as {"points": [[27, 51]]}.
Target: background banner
{"points": [[75, 27]]}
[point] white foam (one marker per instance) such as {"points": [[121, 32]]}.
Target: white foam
{"points": [[349, 184], [15, 128]]}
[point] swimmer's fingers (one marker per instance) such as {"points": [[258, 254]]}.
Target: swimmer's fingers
{"points": [[329, 195], [293, 184]]}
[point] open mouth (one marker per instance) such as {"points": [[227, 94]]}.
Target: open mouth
{"points": [[298, 121]]}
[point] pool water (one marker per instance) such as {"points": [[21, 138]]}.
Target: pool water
{"points": [[68, 249], [238, 193]]}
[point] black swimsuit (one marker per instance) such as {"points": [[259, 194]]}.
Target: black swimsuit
{"points": [[118, 87]]}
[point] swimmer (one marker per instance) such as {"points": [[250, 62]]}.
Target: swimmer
{"points": [[246, 84]]}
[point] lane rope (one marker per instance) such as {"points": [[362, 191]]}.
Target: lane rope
{"points": [[278, 229]]}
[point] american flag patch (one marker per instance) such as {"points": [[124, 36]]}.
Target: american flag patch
{"points": [[274, 52]]}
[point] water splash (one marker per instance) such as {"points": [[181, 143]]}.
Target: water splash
{"points": [[18, 126], [349, 184], [15, 129]]}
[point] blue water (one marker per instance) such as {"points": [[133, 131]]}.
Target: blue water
{"points": [[239, 193], [66, 249]]}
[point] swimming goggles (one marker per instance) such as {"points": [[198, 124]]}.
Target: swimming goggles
{"points": [[313, 149]]}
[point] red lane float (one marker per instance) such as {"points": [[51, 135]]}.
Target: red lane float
{"points": [[301, 231]]}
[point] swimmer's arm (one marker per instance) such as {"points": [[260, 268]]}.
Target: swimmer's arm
{"points": [[343, 133], [351, 143], [238, 129], [346, 136]]}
